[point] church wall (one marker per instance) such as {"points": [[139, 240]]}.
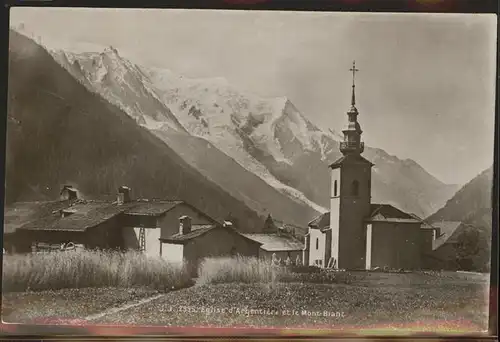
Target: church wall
{"points": [[396, 245], [307, 247], [353, 211], [317, 248], [334, 213]]}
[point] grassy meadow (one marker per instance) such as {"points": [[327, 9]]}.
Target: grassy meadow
{"points": [[236, 291]]}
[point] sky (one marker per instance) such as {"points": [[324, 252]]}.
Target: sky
{"points": [[425, 89]]}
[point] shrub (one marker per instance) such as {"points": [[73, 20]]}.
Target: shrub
{"points": [[80, 269], [236, 270]]}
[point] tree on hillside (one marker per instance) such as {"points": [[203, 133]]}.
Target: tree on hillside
{"points": [[473, 250]]}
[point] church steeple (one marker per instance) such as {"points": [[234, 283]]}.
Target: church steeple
{"points": [[352, 143]]}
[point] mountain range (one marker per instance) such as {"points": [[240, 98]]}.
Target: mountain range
{"points": [[226, 151], [250, 138]]}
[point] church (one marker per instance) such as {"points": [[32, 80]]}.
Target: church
{"points": [[358, 234]]}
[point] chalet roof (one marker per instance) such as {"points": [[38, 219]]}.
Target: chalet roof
{"points": [[152, 208], [196, 230], [275, 242], [18, 214], [85, 215], [322, 221], [449, 231], [389, 213], [350, 159]]}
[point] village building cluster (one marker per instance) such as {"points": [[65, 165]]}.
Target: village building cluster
{"points": [[355, 234]]}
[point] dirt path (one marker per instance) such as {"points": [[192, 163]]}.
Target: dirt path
{"points": [[123, 307]]}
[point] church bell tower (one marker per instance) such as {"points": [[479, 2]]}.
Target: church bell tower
{"points": [[350, 195]]}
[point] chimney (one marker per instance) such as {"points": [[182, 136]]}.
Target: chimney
{"points": [[123, 195], [69, 193], [185, 225]]}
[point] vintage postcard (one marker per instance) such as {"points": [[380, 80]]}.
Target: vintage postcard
{"points": [[249, 169]]}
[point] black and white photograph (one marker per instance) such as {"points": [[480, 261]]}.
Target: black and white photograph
{"points": [[287, 170]]}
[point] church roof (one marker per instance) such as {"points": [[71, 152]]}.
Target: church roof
{"points": [[350, 159], [378, 213], [389, 213]]}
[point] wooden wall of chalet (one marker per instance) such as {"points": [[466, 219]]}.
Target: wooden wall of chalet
{"points": [[169, 222], [219, 242]]}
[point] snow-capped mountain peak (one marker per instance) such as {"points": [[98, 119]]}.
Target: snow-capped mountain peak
{"points": [[120, 82], [269, 137]]}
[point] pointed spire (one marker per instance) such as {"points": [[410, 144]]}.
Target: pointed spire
{"points": [[352, 133], [354, 70]]}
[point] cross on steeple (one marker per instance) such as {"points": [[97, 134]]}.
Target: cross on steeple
{"points": [[354, 70]]}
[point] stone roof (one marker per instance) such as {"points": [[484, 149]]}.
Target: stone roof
{"points": [[83, 214], [276, 243], [18, 214], [350, 159], [152, 208], [389, 213], [321, 222], [448, 232], [196, 231]]}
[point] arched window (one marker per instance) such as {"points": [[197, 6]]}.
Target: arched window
{"points": [[335, 188], [317, 243], [355, 188]]}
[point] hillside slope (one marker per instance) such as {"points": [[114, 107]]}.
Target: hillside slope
{"points": [[471, 204], [59, 132]]}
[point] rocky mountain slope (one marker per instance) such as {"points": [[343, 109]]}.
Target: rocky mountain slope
{"points": [[268, 137], [59, 132], [471, 204]]}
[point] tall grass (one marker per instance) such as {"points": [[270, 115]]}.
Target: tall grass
{"points": [[51, 271], [236, 270], [252, 270]]}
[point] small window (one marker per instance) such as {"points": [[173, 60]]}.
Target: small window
{"points": [[317, 243], [335, 188], [355, 188]]}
